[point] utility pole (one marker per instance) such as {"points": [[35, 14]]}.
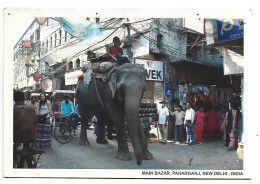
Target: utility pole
{"points": [[129, 53]]}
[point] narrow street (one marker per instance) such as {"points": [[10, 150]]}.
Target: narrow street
{"points": [[207, 156]]}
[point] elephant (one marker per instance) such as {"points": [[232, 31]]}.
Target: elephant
{"points": [[121, 97]]}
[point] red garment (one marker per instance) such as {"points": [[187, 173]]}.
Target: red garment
{"points": [[199, 135], [113, 51], [211, 120], [200, 117]]}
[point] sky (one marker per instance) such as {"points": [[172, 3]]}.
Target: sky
{"points": [[21, 28]]}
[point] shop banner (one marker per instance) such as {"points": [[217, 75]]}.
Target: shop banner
{"points": [[72, 77], [80, 27], [229, 29], [154, 69]]}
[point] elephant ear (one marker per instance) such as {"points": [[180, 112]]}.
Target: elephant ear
{"points": [[112, 84]]}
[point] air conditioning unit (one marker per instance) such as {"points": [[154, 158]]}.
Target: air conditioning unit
{"points": [[36, 87]]}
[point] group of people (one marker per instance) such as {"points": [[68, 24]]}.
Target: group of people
{"points": [[42, 108], [195, 124]]}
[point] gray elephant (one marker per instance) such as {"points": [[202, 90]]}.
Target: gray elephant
{"points": [[121, 98]]}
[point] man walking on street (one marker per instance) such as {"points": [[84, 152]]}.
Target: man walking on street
{"points": [[163, 113], [188, 121]]}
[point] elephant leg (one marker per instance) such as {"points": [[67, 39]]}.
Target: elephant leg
{"points": [[147, 155], [109, 130], [83, 132], [123, 151], [101, 139], [117, 118]]}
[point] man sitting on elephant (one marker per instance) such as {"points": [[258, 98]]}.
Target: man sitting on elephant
{"points": [[114, 52]]}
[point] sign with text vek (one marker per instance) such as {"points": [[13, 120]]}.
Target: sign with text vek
{"points": [[154, 69]]}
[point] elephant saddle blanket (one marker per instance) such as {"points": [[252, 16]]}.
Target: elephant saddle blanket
{"points": [[103, 71]]}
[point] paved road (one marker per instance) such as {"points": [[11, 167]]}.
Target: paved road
{"points": [[209, 156]]}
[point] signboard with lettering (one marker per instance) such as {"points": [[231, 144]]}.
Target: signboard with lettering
{"points": [[221, 30], [154, 69], [229, 29]]}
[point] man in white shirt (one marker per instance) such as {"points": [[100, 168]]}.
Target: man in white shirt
{"points": [[163, 112], [189, 119]]}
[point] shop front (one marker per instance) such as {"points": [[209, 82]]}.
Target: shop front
{"points": [[71, 79]]}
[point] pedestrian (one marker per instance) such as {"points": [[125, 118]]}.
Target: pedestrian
{"points": [[95, 122], [33, 103], [200, 118], [188, 123], [43, 135], [220, 119], [211, 122], [26, 100], [178, 127], [232, 118], [163, 113], [76, 115], [24, 118]]}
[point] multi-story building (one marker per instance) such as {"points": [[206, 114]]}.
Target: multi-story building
{"points": [[179, 54]]}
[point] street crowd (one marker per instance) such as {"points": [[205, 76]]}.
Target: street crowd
{"points": [[218, 124], [39, 128]]}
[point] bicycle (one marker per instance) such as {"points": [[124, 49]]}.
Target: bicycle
{"points": [[63, 129], [23, 152]]}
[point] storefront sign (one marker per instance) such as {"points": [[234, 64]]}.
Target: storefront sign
{"points": [[229, 29], [47, 85], [168, 91], [154, 69], [219, 30], [72, 77]]}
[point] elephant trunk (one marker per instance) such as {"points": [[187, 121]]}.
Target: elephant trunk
{"points": [[132, 105]]}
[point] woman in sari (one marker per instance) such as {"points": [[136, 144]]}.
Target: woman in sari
{"points": [[232, 118]]}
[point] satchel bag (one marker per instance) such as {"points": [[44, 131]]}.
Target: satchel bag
{"points": [[42, 119]]}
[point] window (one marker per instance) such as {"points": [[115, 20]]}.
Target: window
{"points": [[60, 37], [66, 36], [97, 20], [37, 34], [31, 38], [70, 65], [42, 49], [51, 44], [78, 63], [55, 41], [47, 44]]}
